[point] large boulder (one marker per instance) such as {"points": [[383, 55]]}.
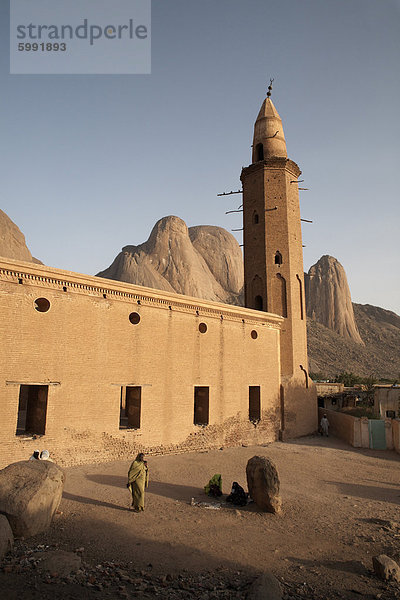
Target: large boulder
{"points": [[30, 493], [263, 483], [6, 536], [265, 587], [386, 568]]}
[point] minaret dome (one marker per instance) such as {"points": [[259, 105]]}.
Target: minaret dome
{"points": [[269, 139]]}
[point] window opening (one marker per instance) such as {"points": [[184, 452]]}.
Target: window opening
{"points": [[259, 152], [134, 318], [202, 328], [301, 297], [42, 304], [258, 303], [281, 308], [278, 258], [32, 409], [256, 218], [201, 405], [254, 403], [130, 407]]}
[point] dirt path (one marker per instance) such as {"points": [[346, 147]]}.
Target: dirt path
{"points": [[341, 506]]}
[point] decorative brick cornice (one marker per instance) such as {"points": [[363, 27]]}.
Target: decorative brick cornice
{"points": [[39, 276], [275, 162]]}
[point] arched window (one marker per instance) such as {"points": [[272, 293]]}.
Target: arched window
{"points": [[278, 258], [280, 296], [301, 297], [256, 218], [259, 152], [258, 303]]}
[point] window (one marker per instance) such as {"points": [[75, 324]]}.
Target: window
{"points": [[201, 405], [300, 297], [254, 404], [258, 303], [280, 295], [32, 409], [259, 152], [256, 218], [278, 258], [130, 407]]}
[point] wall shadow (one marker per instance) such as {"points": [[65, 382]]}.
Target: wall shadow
{"points": [[368, 492], [335, 443], [157, 488], [94, 501]]}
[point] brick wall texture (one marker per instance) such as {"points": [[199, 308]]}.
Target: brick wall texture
{"points": [[85, 349]]}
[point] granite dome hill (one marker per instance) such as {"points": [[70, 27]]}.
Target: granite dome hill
{"points": [[207, 262]]}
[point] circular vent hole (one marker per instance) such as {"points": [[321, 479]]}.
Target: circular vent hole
{"points": [[202, 327], [134, 318], [42, 304], [254, 334]]}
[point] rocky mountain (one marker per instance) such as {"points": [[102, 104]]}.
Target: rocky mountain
{"points": [[205, 262], [12, 241], [328, 298]]}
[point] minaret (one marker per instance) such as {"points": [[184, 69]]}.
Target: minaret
{"points": [[273, 258]]}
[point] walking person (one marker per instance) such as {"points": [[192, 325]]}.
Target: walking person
{"points": [[325, 426], [138, 480]]}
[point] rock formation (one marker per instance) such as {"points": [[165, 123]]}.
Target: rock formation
{"points": [[263, 484], [12, 241], [328, 298], [204, 262], [6, 536], [207, 262], [30, 493], [386, 568]]}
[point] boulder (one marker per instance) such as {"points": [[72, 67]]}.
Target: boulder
{"points": [[263, 483], [6, 536], [30, 493], [386, 568], [265, 587]]}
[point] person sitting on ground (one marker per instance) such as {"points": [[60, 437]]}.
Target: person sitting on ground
{"points": [[45, 455], [138, 479], [238, 496], [35, 455], [214, 486]]}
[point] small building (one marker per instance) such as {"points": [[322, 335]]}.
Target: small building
{"points": [[387, 401]]}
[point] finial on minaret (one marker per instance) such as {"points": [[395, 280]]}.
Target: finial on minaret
{"points": [[269, 88]]}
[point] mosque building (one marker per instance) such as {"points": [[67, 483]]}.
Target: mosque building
{"points": [[93, 369]]}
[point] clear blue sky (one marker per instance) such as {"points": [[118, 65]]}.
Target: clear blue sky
{"points": [[89, 163]]}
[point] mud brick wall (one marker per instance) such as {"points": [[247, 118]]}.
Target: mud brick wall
{"points": [[86, 338]]}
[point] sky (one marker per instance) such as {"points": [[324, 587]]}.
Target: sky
{"points": [[89, 163]]}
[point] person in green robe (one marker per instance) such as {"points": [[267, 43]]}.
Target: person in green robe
{"points": [[138, 480]]}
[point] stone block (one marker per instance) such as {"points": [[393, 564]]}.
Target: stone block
{"points": [[263, 483], [30, 493], [6, 536]]}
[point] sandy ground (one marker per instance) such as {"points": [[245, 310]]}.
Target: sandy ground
{"points": [[340, 507]]}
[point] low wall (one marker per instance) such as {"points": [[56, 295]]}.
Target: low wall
{"points": [[355, 432], [343, 426], [396, 435]]}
